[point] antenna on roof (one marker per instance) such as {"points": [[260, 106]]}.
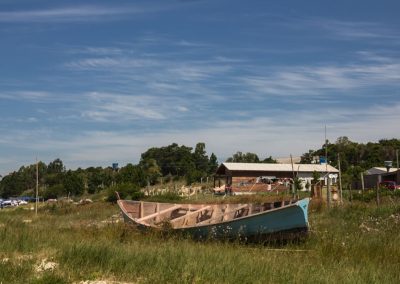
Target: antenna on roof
{"points": [[326, 152], [328, 191]]}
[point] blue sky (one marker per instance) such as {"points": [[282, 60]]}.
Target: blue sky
{"points": [[96, 82]]}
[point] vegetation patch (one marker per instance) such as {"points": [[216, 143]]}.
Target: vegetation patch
{"points": [[354, 243]]}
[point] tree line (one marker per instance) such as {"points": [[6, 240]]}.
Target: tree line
{"points": [[156, 165], [174, 162], [355, 158]]}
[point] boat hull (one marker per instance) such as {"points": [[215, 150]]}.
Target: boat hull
{"points": [[281, 221], [284, 222]]}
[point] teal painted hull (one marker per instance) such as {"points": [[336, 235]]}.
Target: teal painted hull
{"points": [[293, 218], [290, 218]]}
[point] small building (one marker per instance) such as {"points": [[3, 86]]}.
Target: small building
{"points": [[374, 175], [249, 176]]}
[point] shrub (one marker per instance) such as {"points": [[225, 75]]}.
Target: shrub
{"points": [[54, 191], [125, 191], [370, 195]]}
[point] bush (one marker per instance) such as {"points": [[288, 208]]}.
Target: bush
{"points": [[54, 191], [125, 191], [367, 196], [370, 195]]}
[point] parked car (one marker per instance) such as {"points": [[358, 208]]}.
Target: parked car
{"points": [[6, 203], [388, 184], [12, 202]]}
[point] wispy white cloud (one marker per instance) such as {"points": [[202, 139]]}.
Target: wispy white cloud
{"points": [[279, 135], [315, 81], [81, 13], [116, 107], [356, 30], [96, 51], [116, 63], [198, 71], [345, 30], [24, 95]]}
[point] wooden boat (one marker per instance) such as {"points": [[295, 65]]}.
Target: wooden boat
{"points": [[204, 221]]}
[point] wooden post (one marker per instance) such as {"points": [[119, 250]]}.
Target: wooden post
{"points": [[291, 161], [351, 193], [362, 183], [378, 201], [328, 193], [293, 189], [377, 195], [340, 180]]}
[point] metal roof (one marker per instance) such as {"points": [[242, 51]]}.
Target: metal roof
{"points": [[379, 170], [278, 167]]}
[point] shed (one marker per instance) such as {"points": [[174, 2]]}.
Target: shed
{"points": [[375, 175], [237, 174]]}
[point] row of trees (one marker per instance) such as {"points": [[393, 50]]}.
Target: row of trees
{"points": [[355, 158], [156, 165], [249, 157], [176, 162]]}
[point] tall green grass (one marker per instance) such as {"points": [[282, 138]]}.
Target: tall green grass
{"points": [[356, 243]]}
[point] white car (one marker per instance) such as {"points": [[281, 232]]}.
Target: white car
{"points": [[6, 203]]}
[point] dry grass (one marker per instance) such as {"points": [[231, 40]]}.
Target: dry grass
{"points": [[357, 243]]}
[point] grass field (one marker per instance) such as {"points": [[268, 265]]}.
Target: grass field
{"points": [[355, 243]]}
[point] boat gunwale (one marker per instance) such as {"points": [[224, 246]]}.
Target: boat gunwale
{"points": [[215, 224]]}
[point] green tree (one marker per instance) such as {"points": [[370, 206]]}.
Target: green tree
{"points": [[96, 179], [270, 160], [173, 159], [212, 164], [307, 158], [73, 183], [239, 157], [132, 174], [55, 166], [316, 177], [151, 170], [11, 185], [54, 191], [200, 158]]}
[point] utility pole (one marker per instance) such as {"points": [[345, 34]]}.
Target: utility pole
{"points": [[340, 180], [328, 193], [37, 186], [293, 186], [397, 158]]}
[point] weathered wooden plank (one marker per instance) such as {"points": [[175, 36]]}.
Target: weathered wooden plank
{"points": [[173, 221], [141, 212], [157, 214], [223, 215], [157, 211]]}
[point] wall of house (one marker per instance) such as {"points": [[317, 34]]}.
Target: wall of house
{"points": [[243, 178]]}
